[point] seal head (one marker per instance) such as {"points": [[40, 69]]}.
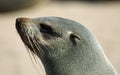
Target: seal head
{"points": [[65, 47]]}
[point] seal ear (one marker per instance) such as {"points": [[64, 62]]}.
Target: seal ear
{"points": [[74, 38]]}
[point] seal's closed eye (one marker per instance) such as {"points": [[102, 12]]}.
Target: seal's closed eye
{"points": [[47, 29]]}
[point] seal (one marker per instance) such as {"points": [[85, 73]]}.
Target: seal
{"points": [[65, 47]]}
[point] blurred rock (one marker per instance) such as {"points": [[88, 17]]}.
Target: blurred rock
{"points": [[10, 5]]}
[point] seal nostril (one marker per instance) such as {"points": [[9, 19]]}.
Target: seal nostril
{"points": [[18, 20], [17, 23]]}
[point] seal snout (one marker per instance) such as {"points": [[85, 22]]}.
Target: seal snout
{"points": [[21, 20]]}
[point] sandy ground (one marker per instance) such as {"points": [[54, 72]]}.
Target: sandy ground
{"points": [[103, 20]]}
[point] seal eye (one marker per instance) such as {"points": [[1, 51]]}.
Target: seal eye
{"points": [[74, 38], [46, 29]]}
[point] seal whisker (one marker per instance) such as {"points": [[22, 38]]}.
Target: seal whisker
{"points": [[38, 46], [30, 42], [31, 54], [32, 48], [42, 45]]}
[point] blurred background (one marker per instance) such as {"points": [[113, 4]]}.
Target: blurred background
{"points": [[101, 17]]}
